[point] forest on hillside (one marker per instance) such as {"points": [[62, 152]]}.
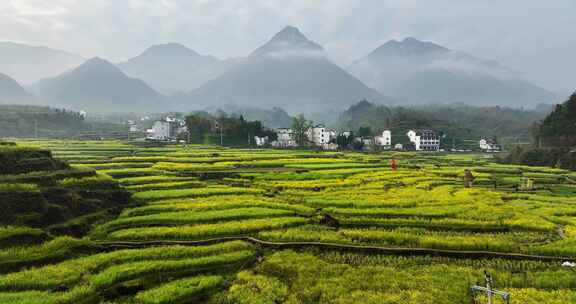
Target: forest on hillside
{"points": [[40, 121]]}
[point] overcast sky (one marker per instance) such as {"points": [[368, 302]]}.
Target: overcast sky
{"points": [[535, 37]]}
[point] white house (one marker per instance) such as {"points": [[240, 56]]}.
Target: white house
{"points": [[261, 140], [161, 130], [424, 140], [285, 138], [489, 145], [166, 129], [385, 141], [320, 136]]}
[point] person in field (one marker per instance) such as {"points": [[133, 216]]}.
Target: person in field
{"points": [[468, 178], [393, 165]]}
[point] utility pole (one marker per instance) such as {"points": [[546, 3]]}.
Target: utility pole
{"points": [[490, 293], [221, 136]]}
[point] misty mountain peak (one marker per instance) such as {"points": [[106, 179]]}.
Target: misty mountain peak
{"points": [[169, 49], [410, 46], [288, 40], [289, 34], [98, 64], [10, 89]]}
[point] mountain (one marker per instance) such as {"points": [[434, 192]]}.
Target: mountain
{"points": [[416, 72], [558, 129], [28, 64], [11, 92], [172, 67], [289, 71], [99, 86]]}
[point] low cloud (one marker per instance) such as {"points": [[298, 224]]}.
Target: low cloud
{"points": [[532, 36]]}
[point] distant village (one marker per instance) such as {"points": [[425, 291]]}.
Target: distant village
{"points": [[172, 129]]}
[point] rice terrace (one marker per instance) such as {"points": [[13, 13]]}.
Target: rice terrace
{"points": [[118, 222]]}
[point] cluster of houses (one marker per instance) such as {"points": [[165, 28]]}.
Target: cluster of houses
{"points": [[324, 138], [169, 128]]}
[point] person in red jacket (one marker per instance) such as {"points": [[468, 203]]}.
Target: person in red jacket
{"points": [[393, 165]]}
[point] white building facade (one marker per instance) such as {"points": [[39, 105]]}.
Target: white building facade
{"points": [[166, 129], [489, 145], [261, 141], [285, 138], [161, 130], [424, 140], [320, 135], [385, 140]]}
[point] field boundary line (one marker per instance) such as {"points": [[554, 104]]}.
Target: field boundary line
{"points": [[405, 251]]}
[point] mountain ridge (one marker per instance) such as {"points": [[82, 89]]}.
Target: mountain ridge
{"points": [[11, 92], [28, 64], [288, 71], [172, 67], [410, 69], [98, 85]]}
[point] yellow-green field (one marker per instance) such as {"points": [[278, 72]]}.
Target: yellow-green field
{"points": [[279, 226]]}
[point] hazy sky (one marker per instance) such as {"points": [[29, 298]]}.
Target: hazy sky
{"points": [[536, 37]]}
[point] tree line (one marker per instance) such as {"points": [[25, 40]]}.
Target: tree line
{"points": [[228, 130]]}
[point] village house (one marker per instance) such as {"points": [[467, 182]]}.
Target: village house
{"points": [[384, 141], [261, 141], [424, 140], [285, 138], [166, 129], [319, 135], [489, 145]]}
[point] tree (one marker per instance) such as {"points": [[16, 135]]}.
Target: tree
{"points": [[345, 142], [300, 127], [199, 126], [365, 132]]}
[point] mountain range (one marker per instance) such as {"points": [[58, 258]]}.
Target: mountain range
{"points": [[28, 64], [416, 72], [288, 71], [172, 68], [99, 86]]}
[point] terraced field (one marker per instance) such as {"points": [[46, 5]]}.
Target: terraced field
{"points": [[209, 224]]}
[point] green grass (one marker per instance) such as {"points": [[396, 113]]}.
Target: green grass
{"points": [[180, 290], [241, 227]]}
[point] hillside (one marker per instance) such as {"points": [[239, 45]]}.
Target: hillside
{"points": [[99, 86], [11, 91], [458, 121], [172, 67], [39, 191], [28, 64], [289, 71], [558, 129], [419, 72]]}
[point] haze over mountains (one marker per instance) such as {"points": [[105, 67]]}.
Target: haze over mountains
{"points": [[99, 86], [414, 71], [27, 64], [289, 71], [11, 91], [172, 68]]}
